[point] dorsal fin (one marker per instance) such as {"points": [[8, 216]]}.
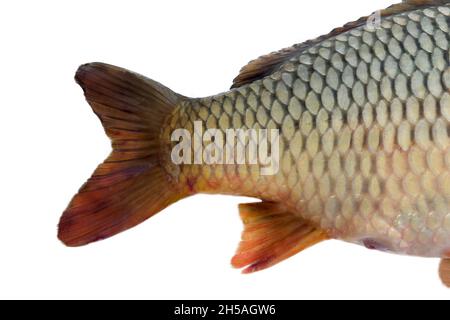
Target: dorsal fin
{"points": [[267, 64]]}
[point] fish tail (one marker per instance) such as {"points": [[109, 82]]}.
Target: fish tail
{"points": [[131, 185]]}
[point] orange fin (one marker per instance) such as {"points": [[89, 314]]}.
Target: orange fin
{"points": [[444, 272], [131, 185], [271, 235], [267, 64]]}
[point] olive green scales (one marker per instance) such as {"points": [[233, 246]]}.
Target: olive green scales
{"points": [[364, 121]]}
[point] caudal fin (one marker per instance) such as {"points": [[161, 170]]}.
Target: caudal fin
{"points": [[131, 185]]}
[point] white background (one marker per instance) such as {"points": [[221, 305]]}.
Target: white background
{"points": [[51, 142]]}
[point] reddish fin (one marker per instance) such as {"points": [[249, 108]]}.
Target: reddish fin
{"points": [[271, 235], [444, 272], [131, 185]]}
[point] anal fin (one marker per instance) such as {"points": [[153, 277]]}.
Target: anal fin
{"points": [[271, 235], [444, 272]]}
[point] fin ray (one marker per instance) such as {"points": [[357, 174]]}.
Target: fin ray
{"points": [[271, 235], [444, 272], [131, 185]]}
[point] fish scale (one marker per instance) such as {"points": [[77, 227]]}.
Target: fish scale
{"points": [[362, 152], [364, 119]]}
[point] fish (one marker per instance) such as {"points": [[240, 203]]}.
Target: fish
{"points": [[344, 137]]}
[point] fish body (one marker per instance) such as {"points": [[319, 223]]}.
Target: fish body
{"points": [[363, 152]]}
